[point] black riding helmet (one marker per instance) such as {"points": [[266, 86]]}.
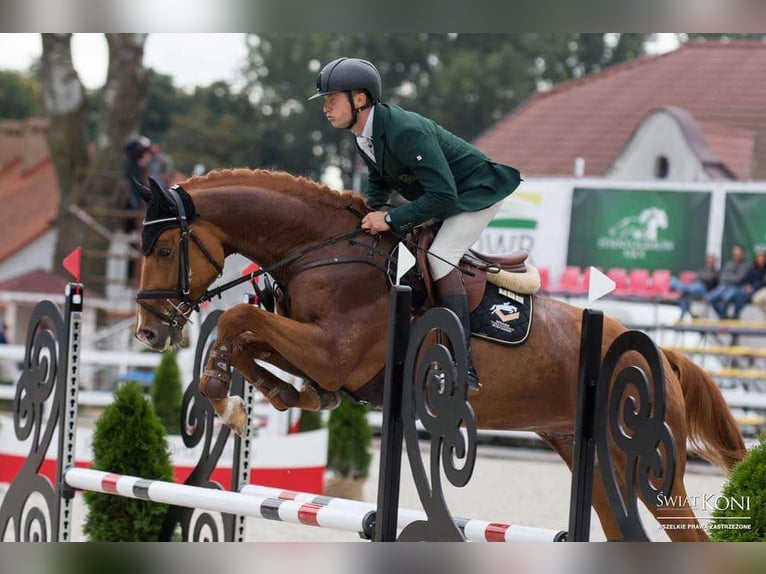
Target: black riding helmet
{"points": [[349, 75]]}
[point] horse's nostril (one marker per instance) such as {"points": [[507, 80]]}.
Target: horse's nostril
{"points": [[147, 335]]}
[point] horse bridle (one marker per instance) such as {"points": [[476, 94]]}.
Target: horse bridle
{"points": [[187, 305]]}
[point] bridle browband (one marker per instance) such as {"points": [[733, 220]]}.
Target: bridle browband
{"points": [[187, 305]]}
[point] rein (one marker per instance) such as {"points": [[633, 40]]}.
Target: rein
{"points": [[187, 305]]}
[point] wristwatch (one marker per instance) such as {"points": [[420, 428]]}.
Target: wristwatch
{"points": [[387, 219]]}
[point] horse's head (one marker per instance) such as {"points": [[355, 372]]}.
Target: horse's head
{"points": [[182, 257]]}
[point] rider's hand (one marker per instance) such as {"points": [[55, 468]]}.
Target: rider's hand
{"points": [[374, 222]]}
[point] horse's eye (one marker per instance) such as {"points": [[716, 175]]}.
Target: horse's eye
{"points": [[163, 252]]}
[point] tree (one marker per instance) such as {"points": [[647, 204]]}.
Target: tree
{"points": [[128, 439], [167, 393], [466, 82], [90, 180], [349, 439], [19, 96]]}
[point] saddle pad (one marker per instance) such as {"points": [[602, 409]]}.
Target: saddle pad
{"points": [[502, 316]]}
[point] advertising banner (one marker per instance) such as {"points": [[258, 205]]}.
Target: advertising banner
{"points": [[638, 229], [534, 218], [744, 223]]}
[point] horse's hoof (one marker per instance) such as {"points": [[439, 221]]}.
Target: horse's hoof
{"points": [[237, 418]]}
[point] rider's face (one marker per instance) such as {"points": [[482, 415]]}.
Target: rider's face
{"points": [[337, 109]]}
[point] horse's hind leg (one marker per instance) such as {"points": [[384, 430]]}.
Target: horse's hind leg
{"points": [[674, 513], [683, 526], [564, 446]]}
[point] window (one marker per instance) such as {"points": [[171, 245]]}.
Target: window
{"points": [[661, 167]]}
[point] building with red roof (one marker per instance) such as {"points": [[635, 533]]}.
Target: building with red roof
{"points": [[713, 92]]}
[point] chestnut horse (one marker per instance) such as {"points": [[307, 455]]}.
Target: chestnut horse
{"points": [[333, 328]]}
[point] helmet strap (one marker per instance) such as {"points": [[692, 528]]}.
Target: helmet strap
{"points": [[355, 111]]}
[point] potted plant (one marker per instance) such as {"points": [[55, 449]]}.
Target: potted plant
{"points": [[348, 450]]}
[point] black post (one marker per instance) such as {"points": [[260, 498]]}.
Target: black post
{"points": [[584, 440], [392, 431]]}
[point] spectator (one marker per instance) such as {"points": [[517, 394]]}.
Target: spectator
{"points": [[732, 275], [138, 157], [161, 167], [3, 334], [759, 300], [754, 280], [706, 281]]}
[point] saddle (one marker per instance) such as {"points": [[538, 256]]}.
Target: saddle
{"points": [[510, 271]]}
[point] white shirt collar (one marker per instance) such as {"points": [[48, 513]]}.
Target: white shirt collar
{"points": [[365, 139], [367, 130]]}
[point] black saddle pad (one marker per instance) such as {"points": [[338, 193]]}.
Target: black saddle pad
{"points": [[502, 316]]}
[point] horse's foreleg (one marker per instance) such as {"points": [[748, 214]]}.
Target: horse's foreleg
{"points": [[282, 395], [246, 333], [215, 383]]}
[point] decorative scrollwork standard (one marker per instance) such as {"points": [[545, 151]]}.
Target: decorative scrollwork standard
{"points": [[632, 417], [31, 507], [198, 425], [435, 392]]}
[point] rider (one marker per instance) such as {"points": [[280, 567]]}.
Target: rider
{"points": [[445, 178]]}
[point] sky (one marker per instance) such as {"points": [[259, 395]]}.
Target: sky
{"points": [[190, 59]]}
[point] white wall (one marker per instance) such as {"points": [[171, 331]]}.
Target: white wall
{"points": [[38, 254], [659, 135]]}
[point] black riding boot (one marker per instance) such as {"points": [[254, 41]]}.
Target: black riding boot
{"points": [[450, 293]]}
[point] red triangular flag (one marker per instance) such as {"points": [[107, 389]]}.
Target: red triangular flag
{"points": [[72, 263]]}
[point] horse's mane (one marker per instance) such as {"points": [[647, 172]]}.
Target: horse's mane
{"points": [[274, 180]]}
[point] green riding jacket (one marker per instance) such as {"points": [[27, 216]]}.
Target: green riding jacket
{"points": [[439, 173]]}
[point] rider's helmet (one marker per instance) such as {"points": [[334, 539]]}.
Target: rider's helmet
{"points": [[349, 74]]}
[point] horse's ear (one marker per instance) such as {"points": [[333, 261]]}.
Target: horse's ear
{"points": [[143, 191], [162, 196]]}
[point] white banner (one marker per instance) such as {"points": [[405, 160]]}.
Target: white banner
{"points": [[534, 218]]}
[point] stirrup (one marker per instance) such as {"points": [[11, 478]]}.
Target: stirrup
{"points": [[472, 380]]}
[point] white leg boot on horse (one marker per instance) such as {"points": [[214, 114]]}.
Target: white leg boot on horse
{"points": [[450, 293]]}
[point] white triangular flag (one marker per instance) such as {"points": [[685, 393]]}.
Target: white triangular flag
{"points": [[405, 261], [599, 285]]}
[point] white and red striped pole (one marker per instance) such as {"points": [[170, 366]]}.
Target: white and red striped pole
{"points": [[473, 530], [287, 506]]}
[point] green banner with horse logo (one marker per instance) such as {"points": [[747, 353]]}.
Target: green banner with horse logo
{"points": [[744, 223], [638, 229]]}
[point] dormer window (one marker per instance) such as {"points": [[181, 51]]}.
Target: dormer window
{"points": [[661, 167]]}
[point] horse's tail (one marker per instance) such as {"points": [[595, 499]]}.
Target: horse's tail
{"points": [[713, 431]]}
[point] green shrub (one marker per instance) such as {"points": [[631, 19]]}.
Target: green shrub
{"points": [[167, 393], [747, 481], [128, 439], [349, 439], [310, 421]]}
